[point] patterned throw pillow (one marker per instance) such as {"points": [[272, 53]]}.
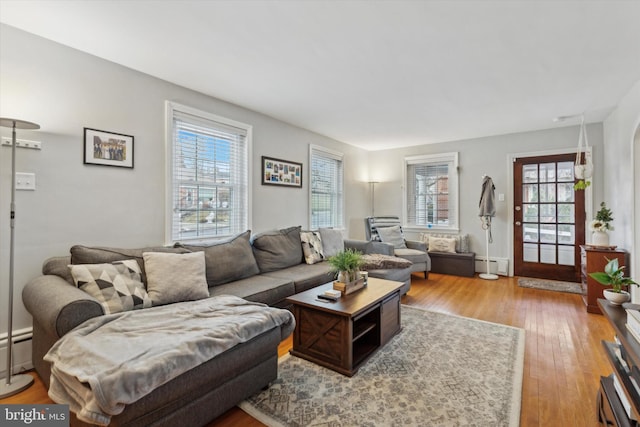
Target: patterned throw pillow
{"points": [[442, 244], [311, 246], [117, 286]]}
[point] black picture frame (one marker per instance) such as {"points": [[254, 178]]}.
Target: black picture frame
{"points": [[105, 148], [279, 172]]}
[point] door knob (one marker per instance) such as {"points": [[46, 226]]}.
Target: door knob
{"points": [[518, 208], [518, 223]]}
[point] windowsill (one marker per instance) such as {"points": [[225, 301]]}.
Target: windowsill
{"points": [[443, 230]]}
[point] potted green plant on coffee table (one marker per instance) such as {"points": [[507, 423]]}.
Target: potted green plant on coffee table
{"points": [[613, 275], [346, 264]]}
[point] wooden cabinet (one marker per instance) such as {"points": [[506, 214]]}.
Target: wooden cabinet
{"points": [[592, 260], [619, 405]]}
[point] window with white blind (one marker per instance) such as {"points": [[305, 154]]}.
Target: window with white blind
{"points": [[207, 176], [327, 202], [431, 191]]}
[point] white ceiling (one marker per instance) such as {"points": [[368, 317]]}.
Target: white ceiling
{"points": [[375, 74]]}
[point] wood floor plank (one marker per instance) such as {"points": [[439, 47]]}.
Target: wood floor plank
{"points": [[563, 362]]}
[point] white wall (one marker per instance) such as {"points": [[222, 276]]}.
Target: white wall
{"points": [[622, 190], [477, 157], [65, 90]]}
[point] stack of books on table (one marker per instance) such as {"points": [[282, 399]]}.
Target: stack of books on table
{"points": [[633, 323]]}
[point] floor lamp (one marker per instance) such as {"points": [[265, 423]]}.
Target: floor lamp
{"points": [[13, 383]]}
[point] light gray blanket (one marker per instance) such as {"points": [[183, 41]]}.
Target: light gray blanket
{"points": [[110, 361]]}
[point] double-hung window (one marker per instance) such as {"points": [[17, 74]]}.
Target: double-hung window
{"points": [[431, 195], [207, 175], [327, 201]]}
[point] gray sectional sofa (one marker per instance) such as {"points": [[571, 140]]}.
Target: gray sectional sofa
{"points": [[265, 268]]}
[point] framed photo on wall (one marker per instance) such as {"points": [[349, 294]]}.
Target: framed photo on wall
{"points": [[108, 148], [280, 172]]}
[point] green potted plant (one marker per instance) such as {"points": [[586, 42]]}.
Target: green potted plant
{"points": [[346, 264], [600, 225], [613, 276]]}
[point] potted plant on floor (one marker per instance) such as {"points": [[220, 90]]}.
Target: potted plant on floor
{"points": [[613, 276]]}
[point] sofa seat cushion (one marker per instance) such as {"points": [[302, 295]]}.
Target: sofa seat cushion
{"points": [[227, 260], [413, 255], [277, 249], [259, 288], [305, 276], [397, 274]]}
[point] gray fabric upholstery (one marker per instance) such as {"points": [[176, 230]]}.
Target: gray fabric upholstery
{"points": [[369, 247], [305, 276], [260, 288], [399, 275], [227, 260], [277, 249], [332, 241], [415, 251]]}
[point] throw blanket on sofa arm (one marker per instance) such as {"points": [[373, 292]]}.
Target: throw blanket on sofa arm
{"points": [[110, 361]]}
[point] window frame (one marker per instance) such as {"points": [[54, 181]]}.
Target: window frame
{"points": [[171, 108], [453, 183], [326, 152]]}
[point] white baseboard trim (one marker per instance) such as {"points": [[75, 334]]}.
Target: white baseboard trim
{"points": [[21, 360], [497, 265]]}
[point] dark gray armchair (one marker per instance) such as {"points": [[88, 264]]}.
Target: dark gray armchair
{"points": [[388, 229]]}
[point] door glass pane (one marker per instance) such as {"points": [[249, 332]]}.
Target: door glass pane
{"points": [[530, 232], [566, 213], [566, 255], [530, 252], [547, 254], [566, 234], [547, 233], [547, 172], [548, 213], [530, 173], [547, 193], [530, 193], [530, 212], [565, 192], [565, 172]]}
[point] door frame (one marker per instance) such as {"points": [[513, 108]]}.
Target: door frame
{"points": [[511, 157]]}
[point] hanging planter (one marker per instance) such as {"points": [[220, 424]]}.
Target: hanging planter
{"points": [[583, 168]]}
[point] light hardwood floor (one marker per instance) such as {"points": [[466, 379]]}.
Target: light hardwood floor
{"points": [[564, 358]]}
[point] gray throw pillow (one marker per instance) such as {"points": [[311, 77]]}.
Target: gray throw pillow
{"points": [[227, 260], [392, 235], [175, 277], [332, 241], [277, 249]]}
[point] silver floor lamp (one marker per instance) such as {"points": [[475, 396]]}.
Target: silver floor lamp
{"points": [[14, 383]]}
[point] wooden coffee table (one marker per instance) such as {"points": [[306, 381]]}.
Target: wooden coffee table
{"points": [[341, 335]]}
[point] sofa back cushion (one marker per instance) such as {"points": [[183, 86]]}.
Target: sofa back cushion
{"points": [[227, 260], [277, 249], [101, 255]]}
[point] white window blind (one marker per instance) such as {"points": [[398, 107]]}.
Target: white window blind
{"points": [[432, 191], [208, 175], [327, 202]]}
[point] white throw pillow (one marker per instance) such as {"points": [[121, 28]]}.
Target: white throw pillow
{"points": [[392, 235], [175, 277], [442, 244]]}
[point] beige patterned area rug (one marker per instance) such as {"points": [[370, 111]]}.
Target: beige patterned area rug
{"points": [[550, 285], [440, 370]]}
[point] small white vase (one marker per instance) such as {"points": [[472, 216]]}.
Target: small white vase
{"points": [[600, 238], [616, 298]]}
